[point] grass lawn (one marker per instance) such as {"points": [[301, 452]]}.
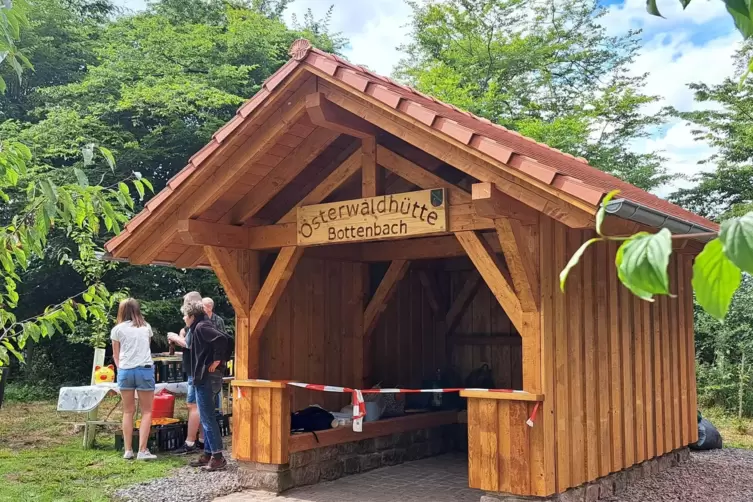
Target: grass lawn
{"points": [[42, 460], [736, 433]]}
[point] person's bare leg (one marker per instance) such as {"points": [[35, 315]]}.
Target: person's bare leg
{"points": [[193, 422], [145, 401], [129, 407]]}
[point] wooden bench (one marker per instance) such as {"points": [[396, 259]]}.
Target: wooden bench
{"points": [[385, 427]]}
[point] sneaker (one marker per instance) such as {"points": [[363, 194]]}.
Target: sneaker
{"points": [[128, 455], [201, 461], [199, 445], [146, 455], [185, 449], [217, 463]]}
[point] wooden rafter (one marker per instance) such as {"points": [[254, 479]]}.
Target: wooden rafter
{"points": [[280, 176], [372, 177], [239, 162], [335, 180], [381, 297], [492, 203], [520, 262], [190, 258], [490, 269], [461, 301], [270, 292], [225, 265], [419, 176], [549, 200], [324, 113]]}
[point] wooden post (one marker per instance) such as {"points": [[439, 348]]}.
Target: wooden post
{"points": [[261, 417], [499, 454], [90, 429]]}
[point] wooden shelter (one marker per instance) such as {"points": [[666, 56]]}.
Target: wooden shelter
{"points": [[468, 275]]}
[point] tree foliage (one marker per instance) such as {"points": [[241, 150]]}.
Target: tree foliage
{"points": [[546, 69], [151, 87]]}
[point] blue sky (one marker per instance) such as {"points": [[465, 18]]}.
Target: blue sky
{"points": [[695, 45]]}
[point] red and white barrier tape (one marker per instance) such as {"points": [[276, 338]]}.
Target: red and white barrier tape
{"points": [[359, 406]]}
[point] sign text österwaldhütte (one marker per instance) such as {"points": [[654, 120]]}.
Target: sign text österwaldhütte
{"points": [[372, 218]]}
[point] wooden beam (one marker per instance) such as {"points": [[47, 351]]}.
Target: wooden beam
{"points": [[418, 175], [203, 233], [225, 265], [335, 180], [280, 176], [328, 115], [190, 258], [445, 246], [372, 177], [381, 297], [519, 259], [220, 180], [273, 287], [431, 291], [246, 349], [490, 202], [461, 301], [490, 269], [543, 197]]}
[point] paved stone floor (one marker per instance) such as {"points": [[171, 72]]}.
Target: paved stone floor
{"points": [[436, 479]]}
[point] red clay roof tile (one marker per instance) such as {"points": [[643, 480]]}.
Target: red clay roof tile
{"points": [[570, 174], [278, 76], [250, 105], [200, 156], [224, 131], [579, 189]]}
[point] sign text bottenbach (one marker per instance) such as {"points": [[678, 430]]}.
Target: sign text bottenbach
{"points": [[373, 218]]}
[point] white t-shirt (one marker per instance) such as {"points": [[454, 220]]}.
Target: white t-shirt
{"points": [[134, 344]]}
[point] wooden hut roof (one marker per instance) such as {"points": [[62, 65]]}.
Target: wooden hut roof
{"points": [[150, 236]]}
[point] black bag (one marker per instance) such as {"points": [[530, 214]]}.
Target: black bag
{"points": [[708, 437], [310, 419], [480, 378]]}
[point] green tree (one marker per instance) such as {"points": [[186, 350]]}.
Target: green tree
{"points": [[545, 69]]}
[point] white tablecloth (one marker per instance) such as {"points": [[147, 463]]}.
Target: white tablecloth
{"points": [[88, 397]]}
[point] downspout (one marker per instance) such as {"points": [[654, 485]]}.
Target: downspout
{"points": [[633, 211]]}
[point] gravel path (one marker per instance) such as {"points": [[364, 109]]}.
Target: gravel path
{"points": [[186, 484], [714, 476]]}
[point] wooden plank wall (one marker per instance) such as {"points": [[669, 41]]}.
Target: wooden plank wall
{"points": [[484, 317], [314, 333], [406, 345], [409, 345], [621, 378]]}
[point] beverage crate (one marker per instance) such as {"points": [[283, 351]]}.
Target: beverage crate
{"points": [[168, 371], [161, 437], [224, 423]]}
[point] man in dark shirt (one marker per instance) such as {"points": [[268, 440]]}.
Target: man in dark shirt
{"points": [[183, 340], [218, 322], [210, 351]]}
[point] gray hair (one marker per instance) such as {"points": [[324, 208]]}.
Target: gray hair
{"points": [[193, 308], [193, 296], [208, 302]]}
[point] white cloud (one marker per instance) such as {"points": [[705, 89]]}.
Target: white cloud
{"points": [[374, 29]]}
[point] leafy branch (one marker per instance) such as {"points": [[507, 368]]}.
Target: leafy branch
{"points": [[642, 260]]}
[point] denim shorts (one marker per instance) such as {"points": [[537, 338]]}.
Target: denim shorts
{"points": [[140, 378], [191, 395]]}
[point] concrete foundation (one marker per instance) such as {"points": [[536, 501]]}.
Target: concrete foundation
{"points": [[605, 487]]}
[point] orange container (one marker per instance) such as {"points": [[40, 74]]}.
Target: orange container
{"points": [[163, 405]]}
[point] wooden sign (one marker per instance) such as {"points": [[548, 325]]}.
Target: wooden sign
{"points": [[373, 218]]}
